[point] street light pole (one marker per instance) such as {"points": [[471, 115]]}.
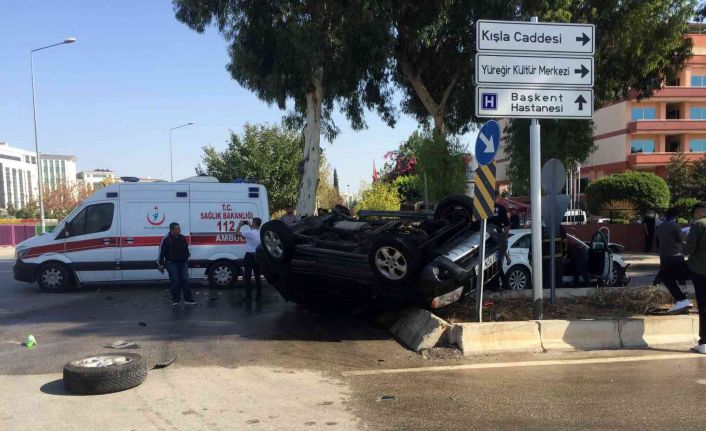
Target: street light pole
{"points": [[36, 136], [348, 194], [171, 159]]}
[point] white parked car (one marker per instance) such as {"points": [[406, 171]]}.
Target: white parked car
{"points": [[605, 263]]}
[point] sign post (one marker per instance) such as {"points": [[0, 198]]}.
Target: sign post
{"points": [[553, 209], [534, 70], [487, 145]]}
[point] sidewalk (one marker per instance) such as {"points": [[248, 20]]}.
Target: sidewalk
{"points": [[7, 253]]}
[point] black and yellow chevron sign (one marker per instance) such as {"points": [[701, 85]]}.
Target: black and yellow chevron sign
{"points": [[484, 194]]}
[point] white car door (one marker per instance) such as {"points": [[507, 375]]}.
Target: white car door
{"points": [[91, 242]]}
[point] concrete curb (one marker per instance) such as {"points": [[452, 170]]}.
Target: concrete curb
{"points": [[565, 292], [494, 337], [567, 335], [658, 330], [570, 335], [417, 329]]}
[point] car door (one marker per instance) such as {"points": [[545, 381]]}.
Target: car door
{"points": [[91, 243], [599, 256], [519, 251]]}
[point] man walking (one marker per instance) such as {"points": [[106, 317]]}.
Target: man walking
{"points": [[174, 255], [251, 234], [695, 267], [670, 245]]}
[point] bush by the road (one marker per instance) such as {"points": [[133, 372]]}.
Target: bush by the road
{"points": [[379, 196], [644, 190]]}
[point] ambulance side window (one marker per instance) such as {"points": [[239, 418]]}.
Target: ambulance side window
{"points": [[92, 219]]}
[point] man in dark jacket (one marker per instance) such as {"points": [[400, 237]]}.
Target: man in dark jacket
{"points": [[670, 243], [695, 267], [174, 255]]}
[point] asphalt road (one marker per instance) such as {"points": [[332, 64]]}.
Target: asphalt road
{"points": [[273, 365]]}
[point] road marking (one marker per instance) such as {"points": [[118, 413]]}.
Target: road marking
{"points": [[526, 364]]}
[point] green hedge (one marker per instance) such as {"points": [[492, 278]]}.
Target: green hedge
{"points": [[645, 190]]}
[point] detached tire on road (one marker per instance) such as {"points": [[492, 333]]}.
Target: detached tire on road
{"points": [[396, 263], [105, 373], [277, 241]]}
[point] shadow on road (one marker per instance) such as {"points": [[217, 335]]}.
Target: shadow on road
{"points": [[55, 387]]}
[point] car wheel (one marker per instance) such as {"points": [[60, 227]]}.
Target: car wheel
{"points": [[105, 373], [616, 276], [222, 274], [395, 262], [277, 241], [517, 278], [455, 208], [54, 277]]}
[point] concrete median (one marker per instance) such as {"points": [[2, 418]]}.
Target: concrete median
{"points": [[495, 337], [658, 330], [567, 335], [417, 329]]}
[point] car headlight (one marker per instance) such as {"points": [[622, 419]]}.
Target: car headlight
{"points": [[21, 253]]}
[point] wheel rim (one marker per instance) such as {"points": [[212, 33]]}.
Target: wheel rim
{"points": [[391, 263], [52, 278], [613, 277], [456, 214], [101, 361], [273, 244], [222, 275], [517, 280]]}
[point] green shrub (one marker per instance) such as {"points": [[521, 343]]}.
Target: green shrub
{"points": [[684, 206], [378, 196], [441, 159], [645, 190], [410, 188]]}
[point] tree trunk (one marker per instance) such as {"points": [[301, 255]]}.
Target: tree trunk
{"points": [[309, 167]]}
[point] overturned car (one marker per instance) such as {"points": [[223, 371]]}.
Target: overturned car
{"points": [[421, 258]]}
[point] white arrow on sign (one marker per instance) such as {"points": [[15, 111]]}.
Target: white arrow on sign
{"points": [[489, 145]]}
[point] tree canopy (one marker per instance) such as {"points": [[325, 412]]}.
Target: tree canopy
{"points": [[267, 152], [313, 53]]}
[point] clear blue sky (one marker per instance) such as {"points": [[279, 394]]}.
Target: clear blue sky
{"points": [[135, 72]]}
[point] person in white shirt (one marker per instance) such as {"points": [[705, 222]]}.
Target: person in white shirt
{"points": [[251, 234]]}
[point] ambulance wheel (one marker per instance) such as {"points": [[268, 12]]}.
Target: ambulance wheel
{"points": [[277, 241], [54, 277], [222, 274]]}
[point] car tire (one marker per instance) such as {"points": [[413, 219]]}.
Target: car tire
{"points": [[454, 208], [396, 263], [277, 241], [617, 276], [222, 274], [517, 278], [105, 373], [54, 277]]}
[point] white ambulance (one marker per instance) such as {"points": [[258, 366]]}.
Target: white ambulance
{"points": [[114, 235]]}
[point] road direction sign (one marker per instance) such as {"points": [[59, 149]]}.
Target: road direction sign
{"points": [[484, 192], [488, 142], [534, 102], [533, 69], [542, 37]]}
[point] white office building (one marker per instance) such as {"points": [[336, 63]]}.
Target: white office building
{"points": [[58, 170], [18, 176], [96, 177]]}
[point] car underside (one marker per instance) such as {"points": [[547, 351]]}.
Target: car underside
{"points": [[429, 259]]}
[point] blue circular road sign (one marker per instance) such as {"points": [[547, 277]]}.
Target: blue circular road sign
{"points": [[488, 142]]}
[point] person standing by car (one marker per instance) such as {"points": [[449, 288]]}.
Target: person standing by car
{"points": [[514, 219], [670, 244], [289, 218], [174, 256], [578, 253], [251, 234], [695, 267]]}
